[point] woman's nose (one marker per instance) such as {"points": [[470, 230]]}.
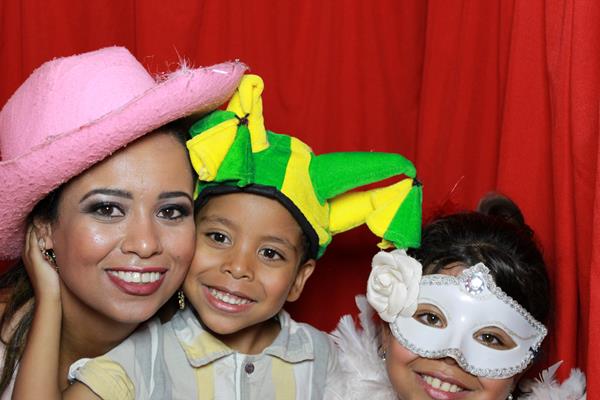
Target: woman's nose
{"points": [[142, 237]]}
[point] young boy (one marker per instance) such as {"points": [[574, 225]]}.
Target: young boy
{"points": [[267, 208]]}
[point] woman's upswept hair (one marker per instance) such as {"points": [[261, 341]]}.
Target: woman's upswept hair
{"points": [[497, 236]]}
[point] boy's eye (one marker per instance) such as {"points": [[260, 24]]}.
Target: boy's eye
{"points": [[173, 212], [218, 237], [271, 254], [494, 338], [430, 315]]}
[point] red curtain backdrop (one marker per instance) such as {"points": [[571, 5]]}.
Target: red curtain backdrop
{"points": [[481, 95]]}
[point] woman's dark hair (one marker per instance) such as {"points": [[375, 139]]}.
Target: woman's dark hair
{"points": [[497, 236], [16, 281]]}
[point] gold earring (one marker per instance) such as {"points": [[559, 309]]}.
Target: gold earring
{"points": [[181, 299], [381, 352]]}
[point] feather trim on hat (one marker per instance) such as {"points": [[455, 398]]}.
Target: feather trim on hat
{"points": [[362, 372], [546, 387]]}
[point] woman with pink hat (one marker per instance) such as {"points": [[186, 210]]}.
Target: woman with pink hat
{"points": [[94, 162]]}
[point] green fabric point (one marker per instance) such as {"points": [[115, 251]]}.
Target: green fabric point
{"points": [[336, 173], [405, 228]]}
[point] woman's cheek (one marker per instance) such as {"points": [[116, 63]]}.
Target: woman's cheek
{"points": [[497, 388], [397, 360]]}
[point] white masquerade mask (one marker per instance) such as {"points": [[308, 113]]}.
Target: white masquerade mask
{"points": [[471, 304]]}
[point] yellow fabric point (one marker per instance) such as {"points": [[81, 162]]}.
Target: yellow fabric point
{"points": [[208, 150], [377, 207], [398, 191], [297, 185], [247, 100], [386, 203], [348, 211], [385, 244]]}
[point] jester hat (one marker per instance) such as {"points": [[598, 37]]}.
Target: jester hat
{"points": [[233, 152]]}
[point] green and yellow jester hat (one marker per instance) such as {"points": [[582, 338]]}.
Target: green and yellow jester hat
{"points": [[232, 152]]}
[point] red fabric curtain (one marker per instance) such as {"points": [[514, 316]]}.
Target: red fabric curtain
{"points": [[482, 95]]}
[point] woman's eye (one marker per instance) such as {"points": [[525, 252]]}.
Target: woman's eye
{"points": [[173, 212], [271, 254], [430, 319], [218, 237], [490, 339], [107, 210], [495, 340]]}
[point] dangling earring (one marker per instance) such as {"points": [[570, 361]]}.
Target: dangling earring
{"points": [[381, 352], [50, 257], [48, 254], [181, 299], [510, 397]]}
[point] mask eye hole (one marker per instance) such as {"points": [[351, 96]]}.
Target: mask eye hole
{"points": [[430, 315], [494, 338]]}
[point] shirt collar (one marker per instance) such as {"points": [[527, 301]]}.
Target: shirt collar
{"points": [[293, 344]]}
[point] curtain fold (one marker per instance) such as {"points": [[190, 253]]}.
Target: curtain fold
{"points": [[482, 95]]}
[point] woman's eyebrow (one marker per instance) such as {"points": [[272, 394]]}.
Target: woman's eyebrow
{"points": [[109, 192], [168, 195]]}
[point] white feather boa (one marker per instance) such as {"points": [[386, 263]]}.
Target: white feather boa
{"points": [[547, 388], [362, 374]]}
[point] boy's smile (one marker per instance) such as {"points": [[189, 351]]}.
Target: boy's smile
{"points": [[246, 266]]}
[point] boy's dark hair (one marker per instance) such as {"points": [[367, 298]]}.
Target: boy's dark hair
{"points": [[497, 236]]}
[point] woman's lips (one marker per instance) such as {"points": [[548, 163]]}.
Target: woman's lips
{"points": [[137, 281], [442, 388], [227, 301]]}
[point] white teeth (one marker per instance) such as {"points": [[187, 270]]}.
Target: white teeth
{"points": [[441, 385], [136, 277], [228, 298]]}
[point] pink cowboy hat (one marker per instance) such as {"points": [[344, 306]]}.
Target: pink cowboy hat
{"points": [[73, 112]]}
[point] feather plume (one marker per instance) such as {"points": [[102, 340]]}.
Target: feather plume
{"points": [[546, 387], [363, 374]]}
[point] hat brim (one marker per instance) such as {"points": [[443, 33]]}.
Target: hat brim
{"points": [[27, 179]]}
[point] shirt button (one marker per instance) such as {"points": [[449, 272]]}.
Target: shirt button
{"points": [[249, 368]]}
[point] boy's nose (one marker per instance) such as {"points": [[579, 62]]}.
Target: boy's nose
{"points": [[141, 237], [239, 266]]}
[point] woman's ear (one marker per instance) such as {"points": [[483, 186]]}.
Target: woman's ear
{"points": [[304, 272], [43, 231], [385, 335]]}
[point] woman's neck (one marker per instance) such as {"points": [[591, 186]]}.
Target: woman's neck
{"points": [[86, 333]]}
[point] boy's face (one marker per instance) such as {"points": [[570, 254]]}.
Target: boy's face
{"points": [[246, 265]]}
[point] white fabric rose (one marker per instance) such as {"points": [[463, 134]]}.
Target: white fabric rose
{"points": [[393, 284]]}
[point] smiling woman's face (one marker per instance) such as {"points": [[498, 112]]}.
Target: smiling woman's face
{"points": [[414, 377], [124, 232]]}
